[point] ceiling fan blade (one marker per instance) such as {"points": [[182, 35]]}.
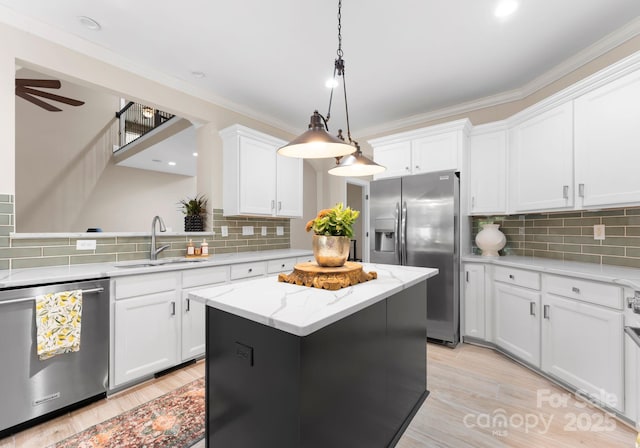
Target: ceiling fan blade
{"points": [[46, 83], [37, 102], [51, 96]]}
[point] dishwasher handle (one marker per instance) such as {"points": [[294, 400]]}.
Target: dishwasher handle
{"points": [[29, 299]]}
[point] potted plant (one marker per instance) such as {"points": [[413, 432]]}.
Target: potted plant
{"points": [[195, 210], [332, 233]]}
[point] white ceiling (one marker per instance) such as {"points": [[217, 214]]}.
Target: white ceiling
{"points": [[404, 59]]}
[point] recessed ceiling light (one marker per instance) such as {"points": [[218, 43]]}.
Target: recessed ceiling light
{"points": [[331, 83], [198, 74], [505, 8], [172, 163], [195, 154], [89, 23]]}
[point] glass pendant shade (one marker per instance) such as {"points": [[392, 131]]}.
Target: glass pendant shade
{"points": [[316, 143], [355, 165]]}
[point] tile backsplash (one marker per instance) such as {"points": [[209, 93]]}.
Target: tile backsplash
{"points": [[18, 253], [569, 235]]}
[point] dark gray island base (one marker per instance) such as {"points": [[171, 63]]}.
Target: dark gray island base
{"points": [[356, 382]]}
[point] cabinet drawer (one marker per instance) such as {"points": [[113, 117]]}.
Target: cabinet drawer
{"points": [[140, 285], [517, 277], [307, 259], [603, 294], [280, 265], [246, 270], [204, 276]]}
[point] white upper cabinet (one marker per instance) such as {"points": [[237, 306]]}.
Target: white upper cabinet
{"points": [[487, 170], [607, 120], [256, 180], [395, 157], [426, 150], [541, 161]]}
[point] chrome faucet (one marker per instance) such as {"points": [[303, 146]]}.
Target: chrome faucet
{"points": [[153, 252]]}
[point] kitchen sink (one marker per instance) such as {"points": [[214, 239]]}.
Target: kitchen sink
{"points": [[161, 262]]}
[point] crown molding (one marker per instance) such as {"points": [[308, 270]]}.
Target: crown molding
{"points": [[585, 56], [75, 43]]}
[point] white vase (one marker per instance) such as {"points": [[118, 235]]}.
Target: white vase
{"points": [[490, 240]]}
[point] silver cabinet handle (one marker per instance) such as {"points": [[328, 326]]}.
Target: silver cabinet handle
{"points": [[406, 168], [581, 190], [250, 269], [576, 290], [279, 205], [532, 308], [273, 204], [467, 276], [473, 202], [565, 191], [188, 305], [545, 311], [417, 167], [512, 277], [173, 308]]}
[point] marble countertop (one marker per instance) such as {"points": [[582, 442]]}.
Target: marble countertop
{"points": [[56, 274], [300, 310], [623, 276]]}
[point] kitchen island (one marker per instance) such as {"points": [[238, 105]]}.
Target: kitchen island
{"points": [[296, 367]]}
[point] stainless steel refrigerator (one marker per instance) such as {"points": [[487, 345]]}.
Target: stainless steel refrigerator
{"points": [[414, 222]]}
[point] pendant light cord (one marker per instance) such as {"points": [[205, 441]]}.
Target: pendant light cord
{"points": [[338, 69]]}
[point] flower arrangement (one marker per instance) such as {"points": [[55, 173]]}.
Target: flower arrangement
{"points": [[336, 221]]}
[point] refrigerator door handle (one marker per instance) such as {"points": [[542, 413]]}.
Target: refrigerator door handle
{"points": [[404, 233], [396, 237]]}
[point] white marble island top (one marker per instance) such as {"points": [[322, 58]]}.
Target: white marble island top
{"points": [[300, 310]]}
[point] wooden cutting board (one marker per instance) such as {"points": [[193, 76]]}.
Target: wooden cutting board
{"points": [[314, 276]]}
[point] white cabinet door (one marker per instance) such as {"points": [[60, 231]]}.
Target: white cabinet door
{"points": [[517, 323], [474, 301], [487, 173], [257, 176], [606, 143], [541, 160], [396, 157], [146, 335], [582, 344], [289, 186], [193, 327], [435, 153]]}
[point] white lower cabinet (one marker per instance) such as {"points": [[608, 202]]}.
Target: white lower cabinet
{"points": [[569, 328], [193, 313], [517, 325], [193, 327], [474, 303], [146, 335], [582, 344]]}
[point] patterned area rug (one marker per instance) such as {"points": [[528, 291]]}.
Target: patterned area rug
{"points": [[175, 419]]}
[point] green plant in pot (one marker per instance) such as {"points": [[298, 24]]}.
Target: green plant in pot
{"points": [[332, 233], [195, 210]]}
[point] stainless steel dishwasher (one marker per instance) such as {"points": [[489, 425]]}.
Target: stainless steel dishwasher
{"points": [[30, 388]]}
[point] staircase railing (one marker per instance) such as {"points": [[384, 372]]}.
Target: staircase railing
{"points": [[137, 119]]}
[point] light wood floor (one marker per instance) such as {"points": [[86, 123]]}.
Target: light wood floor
{"points": [[469, 387]]}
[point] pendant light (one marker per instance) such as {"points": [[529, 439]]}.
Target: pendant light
{"points": [[356, 164], [317, 143]]}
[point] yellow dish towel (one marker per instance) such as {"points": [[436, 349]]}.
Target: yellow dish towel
{"points": [[58, 319]]}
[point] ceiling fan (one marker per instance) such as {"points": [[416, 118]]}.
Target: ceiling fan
{"points": [[25, 90]]}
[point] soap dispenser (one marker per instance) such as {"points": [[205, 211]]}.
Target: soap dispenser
{"points": [[190, 248], [204, 248]]}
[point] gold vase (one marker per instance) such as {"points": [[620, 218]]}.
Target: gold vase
{"points": [[331, 251]]}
